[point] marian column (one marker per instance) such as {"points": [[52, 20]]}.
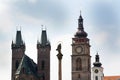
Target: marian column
{"points": [[59, 55]]}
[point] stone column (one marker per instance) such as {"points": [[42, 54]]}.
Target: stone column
{"points": [[59, 55]]}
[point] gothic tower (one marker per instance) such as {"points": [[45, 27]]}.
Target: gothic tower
{"points": [[81, 59], [97, 70], [43, 60], [18, 51]]}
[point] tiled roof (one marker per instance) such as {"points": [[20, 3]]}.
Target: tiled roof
{"points": [[27, 66], [111, 77]]}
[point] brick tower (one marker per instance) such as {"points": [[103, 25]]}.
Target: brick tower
{"points": [[43, 57], [18, 51]]}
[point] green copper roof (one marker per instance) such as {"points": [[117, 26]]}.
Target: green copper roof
{"points": [[19, 40], [27, 66]]}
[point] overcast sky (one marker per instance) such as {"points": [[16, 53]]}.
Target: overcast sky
{"points": [[101, 22]]}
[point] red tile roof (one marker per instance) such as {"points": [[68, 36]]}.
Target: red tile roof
{"points": [[111, 77]]}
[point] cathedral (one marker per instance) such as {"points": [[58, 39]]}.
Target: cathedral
{"points": [[24, 68]]}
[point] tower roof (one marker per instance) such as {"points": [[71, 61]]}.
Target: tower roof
{"points": [[27, 66], [97, 63], [43, 37], [80, 33], [44, 41], [19, 40]]}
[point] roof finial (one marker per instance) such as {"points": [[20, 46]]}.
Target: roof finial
{"points": [[97, 52], [42, 27], [20, 28], [80, 12]]}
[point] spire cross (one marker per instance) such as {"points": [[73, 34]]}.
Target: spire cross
{"points": [[43, 28]]}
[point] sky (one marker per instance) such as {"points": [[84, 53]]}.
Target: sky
{"points": [[101, 22]]}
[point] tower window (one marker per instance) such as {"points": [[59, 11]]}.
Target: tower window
{"points": [[79, 77], [78, 64], [43, 65], [16, 64], [43, 77], [88, 64], [96, 77]]}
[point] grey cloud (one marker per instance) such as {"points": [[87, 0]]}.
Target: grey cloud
{"points": [[104, 16], [42, 9]]}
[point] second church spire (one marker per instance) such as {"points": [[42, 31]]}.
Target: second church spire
{"points": [[80, 33]]}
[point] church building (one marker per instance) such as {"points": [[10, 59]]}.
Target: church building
{"points": [[23, 67]]}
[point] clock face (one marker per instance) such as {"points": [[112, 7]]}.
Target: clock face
{"points": [[78, 49], [96, 71]]}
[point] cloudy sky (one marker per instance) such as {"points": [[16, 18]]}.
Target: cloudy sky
{"points": [[101, 22]]}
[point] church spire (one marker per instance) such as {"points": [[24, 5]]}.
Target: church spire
{"points": [[80, 22], [44, 40], [97, 63], [19, 40], [80, 33]]}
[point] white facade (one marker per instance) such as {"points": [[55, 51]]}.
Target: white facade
{"points": [[97, 73]]}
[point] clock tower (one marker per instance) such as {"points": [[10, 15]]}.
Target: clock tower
{"points": [[97, 70], [81, 59]]}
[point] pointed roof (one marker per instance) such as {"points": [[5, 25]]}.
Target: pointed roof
{"points": [[80, 33], [27, 66], [19, 40], [43, 37], [44, 40], [97, 63]]}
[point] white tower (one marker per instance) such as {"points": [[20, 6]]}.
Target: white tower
{"points": [[97, 70]]}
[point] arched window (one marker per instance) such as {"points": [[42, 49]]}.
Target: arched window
{"points": [[78, 64], [96, 77], [43, 77], [16, 64], [88, 64], [43, 65], [79, 77]]}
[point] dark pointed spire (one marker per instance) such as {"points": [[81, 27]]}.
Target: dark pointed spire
{"points": [[43, 37], [97, 63], [80, 22], [19, 40], [44, 40], [80, 33]]}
